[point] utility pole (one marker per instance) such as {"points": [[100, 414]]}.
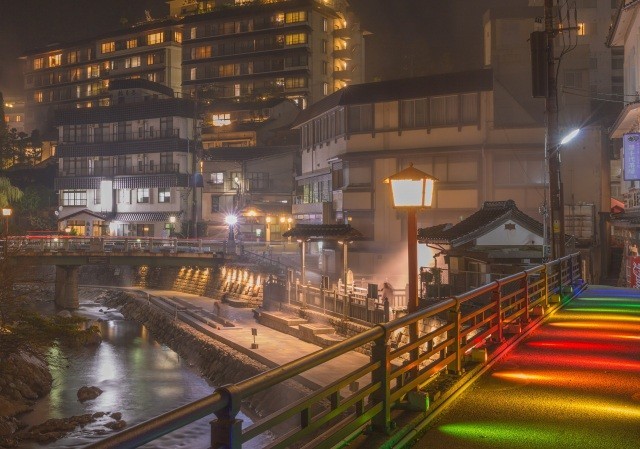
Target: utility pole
{"points": [[556, 201], [194, 164]]}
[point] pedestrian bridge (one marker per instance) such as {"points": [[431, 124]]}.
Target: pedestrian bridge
{"points": [[421, 364], [68, 253]]}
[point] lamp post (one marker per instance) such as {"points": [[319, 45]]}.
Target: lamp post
{"points": [[556, 200], [6, 213], [267, 233], [412, 189], [231, 221]]}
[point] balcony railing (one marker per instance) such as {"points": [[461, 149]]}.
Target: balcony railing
{"points": [[143, 169], [123, 137]]}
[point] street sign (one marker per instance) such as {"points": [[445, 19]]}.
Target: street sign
{"points": [[631, 156]]}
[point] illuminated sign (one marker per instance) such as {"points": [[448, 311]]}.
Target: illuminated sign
{"points": [[631, 156]]}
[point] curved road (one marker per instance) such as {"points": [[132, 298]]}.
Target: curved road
{"points": [[573, 383]]}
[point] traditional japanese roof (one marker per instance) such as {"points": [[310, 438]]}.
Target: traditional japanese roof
{"points": [[400, 89], [323, 232], [492, 214], [98, 215], [140, 83]]}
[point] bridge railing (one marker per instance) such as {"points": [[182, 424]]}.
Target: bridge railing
{"points": [[405, 354], [53, 243]]}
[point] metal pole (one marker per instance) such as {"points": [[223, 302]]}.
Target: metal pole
{"points": [[303, 272], [412, 300], [345, 298], [556, 200]]}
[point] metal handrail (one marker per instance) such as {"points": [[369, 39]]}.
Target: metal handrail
{"points": [[396, 366]]}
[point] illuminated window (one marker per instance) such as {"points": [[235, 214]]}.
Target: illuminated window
{"points": [[73, 57], [295, 39], [75, 74], [143, 195], [38, 97], [201, 52], [155, 38], [55, 60], [155, 58], [217, 178], [325, 88], [193, 73], [194, 32], [295, 82], [325, 24], [177, 36], [296, 16], [93, 71], [132, 43], [108, 47], [134, 61], [237, 91], [164, 195], [38, 63], [278, 18], [581, 29], [221, 119]]}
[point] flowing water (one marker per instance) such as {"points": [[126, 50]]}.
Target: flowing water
{"points": [[140, 378]]}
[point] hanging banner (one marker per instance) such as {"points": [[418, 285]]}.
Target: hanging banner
{"points": [[631, 156], [634, 275]]}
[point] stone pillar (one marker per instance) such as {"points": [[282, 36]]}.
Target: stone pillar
{"points": [[67, 287]]}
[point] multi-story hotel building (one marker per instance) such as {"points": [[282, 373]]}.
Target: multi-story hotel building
{"points": [[298, 49], [77, 74], [127, 169]]}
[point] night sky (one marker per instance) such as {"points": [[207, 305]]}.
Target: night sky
{"points": [[421, 29]]}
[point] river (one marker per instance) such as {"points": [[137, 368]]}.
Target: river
{"points": [[140, 378]]}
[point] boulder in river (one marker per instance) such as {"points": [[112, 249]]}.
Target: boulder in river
{"points": [[87, 393]]}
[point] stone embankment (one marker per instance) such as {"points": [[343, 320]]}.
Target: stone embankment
{"points": [[216, 362]]}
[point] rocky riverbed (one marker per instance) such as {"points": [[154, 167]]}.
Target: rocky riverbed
{"points": [[25, 377]]}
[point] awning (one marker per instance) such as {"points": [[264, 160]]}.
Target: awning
{"points": [[323, 232]]}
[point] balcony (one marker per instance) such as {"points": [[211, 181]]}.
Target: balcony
{"points": [[142, 169], [122, 137], [342, 53]]}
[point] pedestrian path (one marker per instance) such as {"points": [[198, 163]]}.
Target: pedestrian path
{"points": [[273, 349], [573, 383]]}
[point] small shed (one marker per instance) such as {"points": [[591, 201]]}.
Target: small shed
{"points": [[497, 240]]}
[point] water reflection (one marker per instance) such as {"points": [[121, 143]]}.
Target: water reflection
{"points": [[139, 377]]}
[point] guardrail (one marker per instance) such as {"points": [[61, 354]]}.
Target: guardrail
{"points": [[443, 335], [55, 244]]}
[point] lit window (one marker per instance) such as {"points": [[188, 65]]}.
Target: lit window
{"points": [[155, 38], [201, 52], [279, 18], [38, 63], [74, 197], [325, 24], [132, 43], [217, 178], [295, 82], [132, 62], [193, 73], [237, 90], [38, 97], [194, 32], [221, 119], [108, 47], [296, 16], [143, 195], [177, 36], [325, 88], [295, 39], [164, 195], [55, 60], [73, 57], [581, 29]]}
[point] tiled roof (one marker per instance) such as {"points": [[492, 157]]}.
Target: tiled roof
{"points": [[140, 83], [401, 89], [131, 217], [119, 148], [99, 215], [246, 153], [492, 214], [323, 232], [77, 183], [171, 107]]}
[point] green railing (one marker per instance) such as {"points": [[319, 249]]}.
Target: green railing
{"points": [[446, 334]]}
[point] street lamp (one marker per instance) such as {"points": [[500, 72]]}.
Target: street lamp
{"points": [[268, 229], [412, 189], [231, 220], [556, 200], [6, 213]]}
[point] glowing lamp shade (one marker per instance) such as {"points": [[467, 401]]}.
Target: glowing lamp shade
{"points": [[6, 212], [411, 188]]}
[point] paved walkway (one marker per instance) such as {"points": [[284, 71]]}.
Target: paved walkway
{"points": [[574, 383], [274, 348]]}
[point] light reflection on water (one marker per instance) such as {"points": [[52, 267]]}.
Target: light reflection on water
{"points": [[139, 377]]}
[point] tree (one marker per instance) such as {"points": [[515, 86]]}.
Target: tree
{"points": [[8, 194]]}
